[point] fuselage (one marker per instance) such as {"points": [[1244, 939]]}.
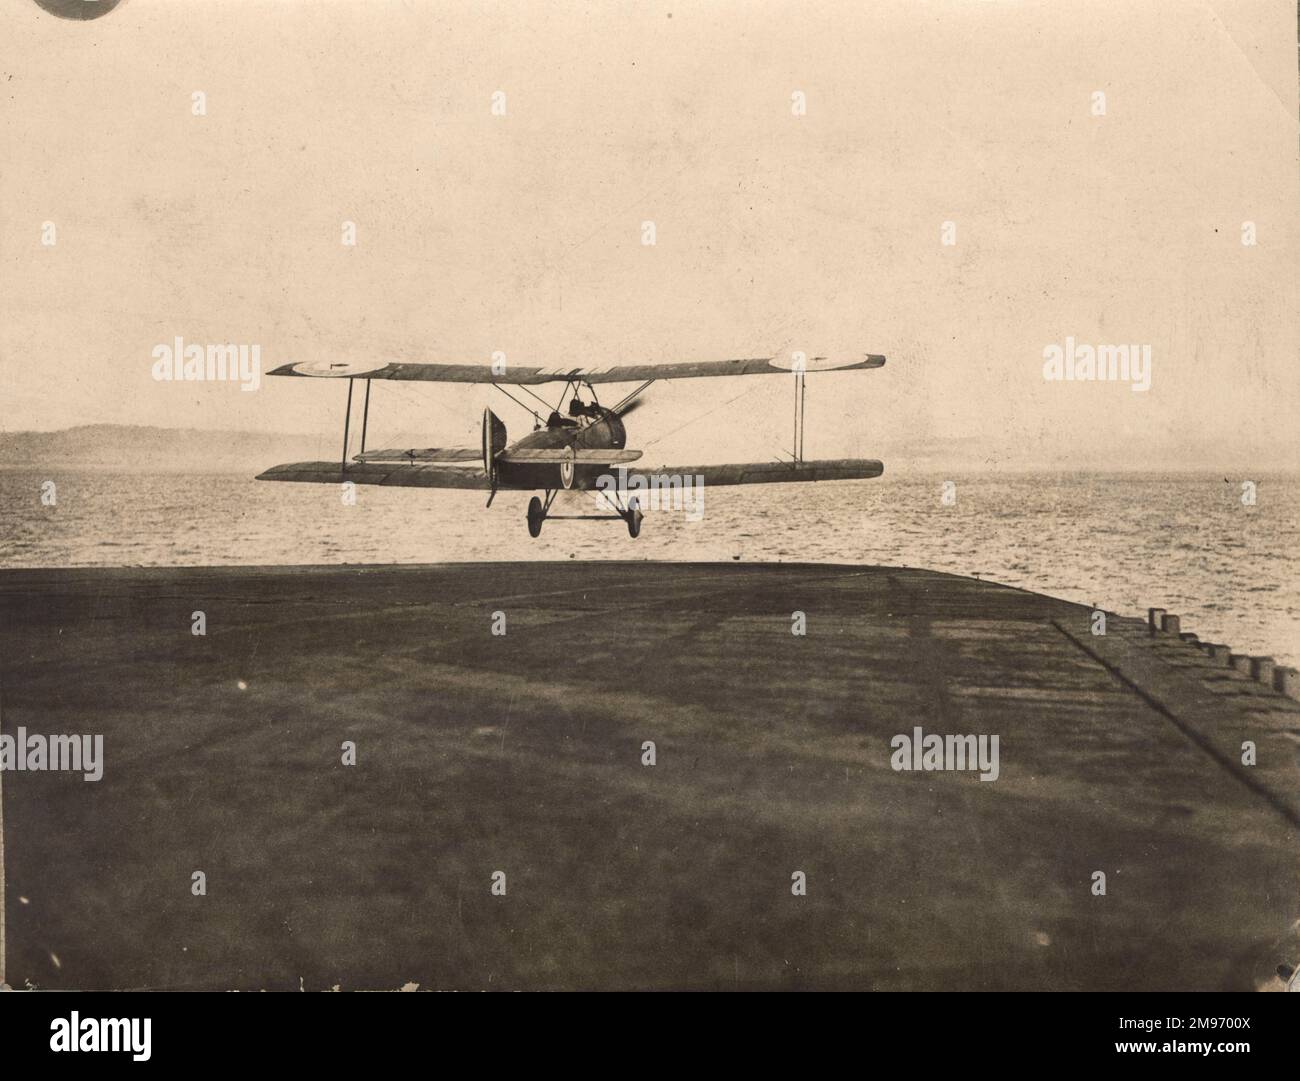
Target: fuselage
{"points": [[605, 429]]}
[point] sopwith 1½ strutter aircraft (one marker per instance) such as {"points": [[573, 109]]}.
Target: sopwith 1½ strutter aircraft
{"points": [[565, 452]]}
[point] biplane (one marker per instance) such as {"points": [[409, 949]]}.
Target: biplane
{"points": [[570, 450]]}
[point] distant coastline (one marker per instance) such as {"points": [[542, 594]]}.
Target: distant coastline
{"points": [[133, 448]]}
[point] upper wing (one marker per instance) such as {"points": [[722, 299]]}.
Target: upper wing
{"points": [[517, 374], [393, 474], [775, 472]]}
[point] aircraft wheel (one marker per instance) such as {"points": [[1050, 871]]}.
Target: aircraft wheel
{"points": [[634, 517], [536, 516]]}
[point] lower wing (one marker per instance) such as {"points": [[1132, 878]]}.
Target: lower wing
{"points": [[399, 474], [560, 455], [773, 472], [404, 473], [426, 454]]}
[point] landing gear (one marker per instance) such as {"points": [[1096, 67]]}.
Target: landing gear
{"points": [[539, 510]]}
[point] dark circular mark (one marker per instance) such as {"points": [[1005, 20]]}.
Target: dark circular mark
{"points": [[78, 9]]}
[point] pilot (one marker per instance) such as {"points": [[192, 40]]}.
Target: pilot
{"points": [[577, 408]]}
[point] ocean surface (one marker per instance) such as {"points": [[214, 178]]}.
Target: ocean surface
{"points": [[1123, 541]]}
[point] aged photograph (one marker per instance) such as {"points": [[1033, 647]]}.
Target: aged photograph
{"points": [[748, 495]]}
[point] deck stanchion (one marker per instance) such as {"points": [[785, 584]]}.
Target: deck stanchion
{"points": [[1287, 681], [1261, 669]]}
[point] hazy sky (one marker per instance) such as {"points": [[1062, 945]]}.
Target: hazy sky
{"points": [[774, 232]]}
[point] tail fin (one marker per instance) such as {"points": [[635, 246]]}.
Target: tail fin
{"points": [[494, 442]]}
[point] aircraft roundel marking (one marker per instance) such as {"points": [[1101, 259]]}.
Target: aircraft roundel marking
{"points": [[325, 368], [811, 364]]}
